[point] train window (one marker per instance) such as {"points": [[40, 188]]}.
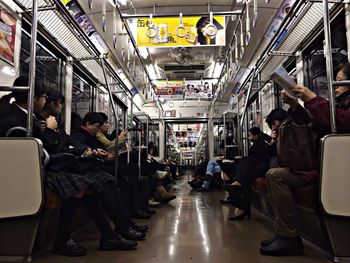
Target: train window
{"points": [[315, 62], [48, 66], [81, 96]]}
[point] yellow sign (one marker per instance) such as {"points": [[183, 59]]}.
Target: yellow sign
{"points": [[170, 32]]}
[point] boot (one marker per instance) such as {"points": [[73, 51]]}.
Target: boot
{"points": [[161, 195]]}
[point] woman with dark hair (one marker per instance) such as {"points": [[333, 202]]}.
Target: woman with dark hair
{"points": [[280, 181], [249, 168], [203, 34]]}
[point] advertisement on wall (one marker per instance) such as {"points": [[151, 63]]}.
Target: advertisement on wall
{"points": [[198, 89], [7, 36], [172, 32], [169, 89], [85, 23], [281, 15]]}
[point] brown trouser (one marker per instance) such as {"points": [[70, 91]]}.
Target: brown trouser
{"points": [[280, 181]]}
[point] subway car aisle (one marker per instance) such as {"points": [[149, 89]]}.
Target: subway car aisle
{"points": [[191, 228]]}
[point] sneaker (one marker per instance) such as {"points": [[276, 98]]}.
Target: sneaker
{"points": [[69, 249]]}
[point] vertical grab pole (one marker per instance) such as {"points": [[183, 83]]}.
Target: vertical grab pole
{"points": [[115, 117], [32, 66], [139, 159], [239, 133], [244, 111], [329, 64], [248, 95], [224, 135]]}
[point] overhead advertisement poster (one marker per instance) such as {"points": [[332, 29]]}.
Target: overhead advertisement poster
{"points": [[169, 89], [85, 23], [170, 32], [198, 89], [7, 36]]}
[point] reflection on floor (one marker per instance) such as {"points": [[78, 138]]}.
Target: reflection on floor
{"points": [[192, 228]]}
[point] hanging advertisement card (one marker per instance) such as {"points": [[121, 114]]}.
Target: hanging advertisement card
{"points": [[198, 89], [7, 36], [170, 32], [169, 89]]}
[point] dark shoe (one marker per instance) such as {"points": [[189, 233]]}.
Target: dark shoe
{"points": [[225, 201], [139, 214], [69, 249], [140, 228], [150, 211], [202, 189], [241, 216], [117, 244], [283, 246], [131, 234], [268, 241]]}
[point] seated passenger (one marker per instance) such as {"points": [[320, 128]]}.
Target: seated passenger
{"points": [[127, 173], [249, 168], [57, 141], [280, 181], [215, 168], [70, 187]]}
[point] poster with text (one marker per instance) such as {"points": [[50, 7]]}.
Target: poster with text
{"points": [[170, 89], [198, 89], [168, 32]]}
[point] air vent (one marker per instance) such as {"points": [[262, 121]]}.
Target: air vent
{"points": [[185, 71], [180, 68]]}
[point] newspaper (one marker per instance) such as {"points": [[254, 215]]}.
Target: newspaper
{"points": [[122, 148], [281, 76]]}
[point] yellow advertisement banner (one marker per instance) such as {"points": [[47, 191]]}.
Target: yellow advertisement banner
{"points": [[169, 32]]}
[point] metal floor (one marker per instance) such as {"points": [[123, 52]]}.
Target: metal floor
{"points": [[192, 228]]}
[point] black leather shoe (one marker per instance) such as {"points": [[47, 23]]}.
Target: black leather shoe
{"points": [[117, 244], [69, 249], [150, 211], [132, 234], [268, 241], [139, 214], [241, 216], [202, 189], [140, 228], [283, 246]]}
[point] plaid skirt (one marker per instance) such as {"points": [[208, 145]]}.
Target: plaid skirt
{"points": [[67, 184]]}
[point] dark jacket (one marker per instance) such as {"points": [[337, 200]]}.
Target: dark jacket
{"points": [[319, 108], [316, 115], [260, 151], [83, 137], [17, 118]]}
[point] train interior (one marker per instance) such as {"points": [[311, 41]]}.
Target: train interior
{"points": [[184, 98]]}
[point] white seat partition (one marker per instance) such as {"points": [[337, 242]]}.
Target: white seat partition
{"points": [[335, 175], [21, 184]]}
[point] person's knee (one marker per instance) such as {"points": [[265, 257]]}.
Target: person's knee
{"points": [[273, 174], [217, 169]]}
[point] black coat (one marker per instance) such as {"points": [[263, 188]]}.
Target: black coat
{"points": [[17, 118], [83, 137], [260, 151]]}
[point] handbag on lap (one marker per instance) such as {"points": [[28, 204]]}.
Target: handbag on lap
{"points": [[295, 146]]}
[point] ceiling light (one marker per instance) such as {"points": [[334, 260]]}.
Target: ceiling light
{"points": [[123, 2], [218, 70], [151, 71], [143, 52]]}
